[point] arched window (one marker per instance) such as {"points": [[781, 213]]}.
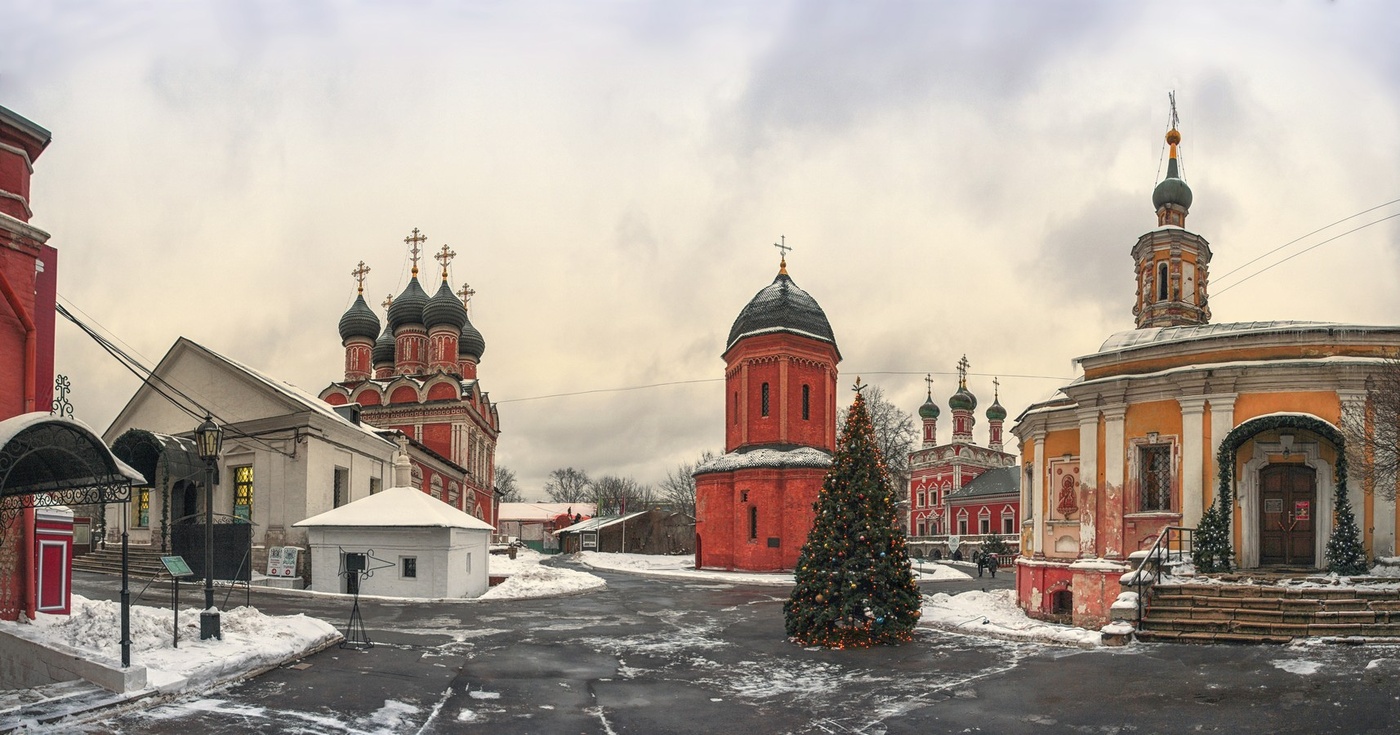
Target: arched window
{"points": [[1161, 281], [763, 393], [806, 402], [984, 521]]}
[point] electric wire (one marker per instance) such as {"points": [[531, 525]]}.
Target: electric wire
{"points": [[1304, 250], [1301, 237]]}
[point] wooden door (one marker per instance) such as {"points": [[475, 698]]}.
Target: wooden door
{"points": [[1287, 505]]}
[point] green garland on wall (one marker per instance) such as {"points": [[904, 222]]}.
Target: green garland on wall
{"points": [[1213, 551]]}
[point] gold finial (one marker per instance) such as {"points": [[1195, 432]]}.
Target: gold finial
{"points": [[388, 301], [963, 365], [783, 248], [466, 292], [445, 257], [359, 273], [413, 242], [1173, 136], [858, 387], [928, 378]]}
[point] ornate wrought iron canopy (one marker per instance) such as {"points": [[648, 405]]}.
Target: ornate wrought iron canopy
{"points": [[46, 460], [149, 452]]}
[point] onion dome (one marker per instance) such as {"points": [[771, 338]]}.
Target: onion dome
{"points": [[962, 400], [408, 307], [359, 321], [444, 309], [781, 307], [929, 410], [471, 343], [995, 412], [1172, 190], [383, 347]]}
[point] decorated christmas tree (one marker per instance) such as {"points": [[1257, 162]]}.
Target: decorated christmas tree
{"points": [[854, 585], [1345, 554]]}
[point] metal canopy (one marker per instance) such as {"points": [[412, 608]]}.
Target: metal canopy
{"points": [[46, 460], [150, 452]]}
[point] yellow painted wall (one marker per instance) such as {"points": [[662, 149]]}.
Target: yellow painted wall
{"points": [[1322, 404]]}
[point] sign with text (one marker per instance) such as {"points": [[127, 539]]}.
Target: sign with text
{"points": [[282, 561], [176, 566]]}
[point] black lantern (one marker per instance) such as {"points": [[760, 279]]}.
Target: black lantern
{"points": [[208, 438]]}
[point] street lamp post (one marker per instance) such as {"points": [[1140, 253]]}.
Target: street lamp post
{"points": [[208, 439]]}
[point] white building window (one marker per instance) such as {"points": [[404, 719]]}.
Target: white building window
{"points": [[408, 567]]}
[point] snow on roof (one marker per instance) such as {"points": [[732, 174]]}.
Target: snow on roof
{"points": [[1134, 338], [398, 507], [996, 481], [11, 427], [542, 511], [593, 524], [292, 393], [767, 457]]}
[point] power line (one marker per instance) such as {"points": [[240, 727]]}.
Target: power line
{"points": [[1300, 252], [1301, 237]]}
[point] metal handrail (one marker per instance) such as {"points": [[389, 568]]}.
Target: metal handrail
{"points": [[1185, 543]]}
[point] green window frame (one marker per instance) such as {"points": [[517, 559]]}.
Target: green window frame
{"points": [[243, 492]]}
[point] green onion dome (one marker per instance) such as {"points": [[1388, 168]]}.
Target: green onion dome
{"points": [[929, 410], [1172, 190], [383, 352], [962, 400], [359, 321], [408, 307], [471, 343], [995, 412], [444, 308]]}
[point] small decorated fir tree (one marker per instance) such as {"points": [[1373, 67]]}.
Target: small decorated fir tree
{"points": [[854, 585], [1212, 551], [1345, 555]]}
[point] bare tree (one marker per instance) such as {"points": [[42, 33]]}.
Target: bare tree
{"points": [[678, 489], [894, 433], [507, 485], [1373, 437], [613, 493], [568, 485]]}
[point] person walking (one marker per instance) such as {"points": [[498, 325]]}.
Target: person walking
{"points": [[991, 561], [977, 557]]}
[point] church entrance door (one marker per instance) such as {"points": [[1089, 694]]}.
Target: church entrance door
{"points": [[1288, 496]]}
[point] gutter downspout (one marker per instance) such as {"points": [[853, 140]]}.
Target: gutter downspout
{"points": [[30, 341]]}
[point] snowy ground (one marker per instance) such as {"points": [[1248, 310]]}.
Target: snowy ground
{"points": [[251, 640], [683, 567], [526, 578], [995, 615]]}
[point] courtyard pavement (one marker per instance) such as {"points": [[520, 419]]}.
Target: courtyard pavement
{"points": [[651, 655]]}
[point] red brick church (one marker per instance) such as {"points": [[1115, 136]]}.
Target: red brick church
{"points": [[419, 376], [754, 504]]}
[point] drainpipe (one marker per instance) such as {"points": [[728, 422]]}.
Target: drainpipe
{"points": [[31, 338]]}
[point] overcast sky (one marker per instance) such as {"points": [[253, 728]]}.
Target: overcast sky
{"points": [[953, 178]]}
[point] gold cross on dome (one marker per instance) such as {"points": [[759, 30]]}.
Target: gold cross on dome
{"points": [[466, 292], [928, 378], [783, 248], [388, 301], [996, 389], [963, 365], [445, 256], [359, 273], [413, 241]]}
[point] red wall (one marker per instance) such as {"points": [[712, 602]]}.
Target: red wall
{"points": [[438, 437], [766, 359], [785, 499]]}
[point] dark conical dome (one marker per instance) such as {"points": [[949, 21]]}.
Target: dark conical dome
{"points": [[1172, 190], [471, 343], [929, 410], [383, 352], [963, 400], [408, 307], [359, 321], [444, 308], [995, 412], [782, 307]]}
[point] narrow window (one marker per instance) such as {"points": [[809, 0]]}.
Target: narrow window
{"points": [[338, 487], [243, 492], [1156, 480], [410, 567], [375, 485], [753, 522], [1162, 282], [143, 507], [736, 407], [469, 562], [764, 396], [806, 402]]}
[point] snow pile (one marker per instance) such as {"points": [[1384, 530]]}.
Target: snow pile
{"points": [[501, 565], [537, 580], [1386, 566], [675, 567], [938, 573], [996, 615], [251, 640]]}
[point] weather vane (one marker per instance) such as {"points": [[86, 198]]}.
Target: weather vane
{"points": [[413, 242], [359, 273]]}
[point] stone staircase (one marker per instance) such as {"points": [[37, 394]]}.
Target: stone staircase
{"points": [[143, 562], [1268, 613]]}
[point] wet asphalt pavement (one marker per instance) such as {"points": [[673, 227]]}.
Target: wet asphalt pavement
{"points": [[649, 655]]}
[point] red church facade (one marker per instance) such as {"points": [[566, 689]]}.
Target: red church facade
{"points": [[419, 377], [754, 504]]}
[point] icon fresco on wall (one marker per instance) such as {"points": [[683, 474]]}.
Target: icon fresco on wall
{"points": [[1068, 505]]}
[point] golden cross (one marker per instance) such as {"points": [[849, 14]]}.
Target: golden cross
{"points": [[467, 292], [445, 257], [413, 242], [359, 273], [783, 248], [388, 301], [963, 365]]}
